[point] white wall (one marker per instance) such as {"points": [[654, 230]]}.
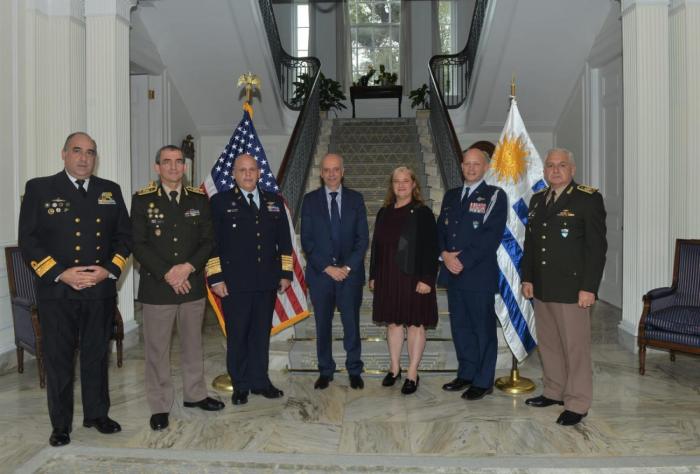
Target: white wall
{"points": [[543, 141], [570, 131], [9, 166], [181, 122]]}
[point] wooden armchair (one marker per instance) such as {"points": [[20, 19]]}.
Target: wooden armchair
{"points": [[22, 282], [671, 316]]}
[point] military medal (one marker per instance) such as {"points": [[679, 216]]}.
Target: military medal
{"points": [[564, 232], [446, 221], [475, 224], [157, 232], [51, 211]]}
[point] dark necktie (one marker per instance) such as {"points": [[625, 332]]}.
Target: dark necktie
{"points": [[335, 226], [253, 206], [552, 198], [465, 198], [173, 198], [81, 186]]}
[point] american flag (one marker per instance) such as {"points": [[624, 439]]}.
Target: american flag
{"points": [[291, 306]]}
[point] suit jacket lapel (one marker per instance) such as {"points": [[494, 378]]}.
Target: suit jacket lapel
{"points": [[561, 201], [323, 205]]}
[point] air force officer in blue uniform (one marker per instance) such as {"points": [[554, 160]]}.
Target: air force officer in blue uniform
{"points": [[470, 228], [335, 237]]}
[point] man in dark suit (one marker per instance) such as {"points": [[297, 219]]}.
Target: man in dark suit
{"points": [[74, 231], [562, 265], [173, 240], [335, 237], [470, 228], [254, 258]]}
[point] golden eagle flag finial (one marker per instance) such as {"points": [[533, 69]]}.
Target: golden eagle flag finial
{"points": [[251, 82], [512, 86]]}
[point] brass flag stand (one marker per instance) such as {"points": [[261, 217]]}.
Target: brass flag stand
{"points": [[223, 382], [514, 384]]}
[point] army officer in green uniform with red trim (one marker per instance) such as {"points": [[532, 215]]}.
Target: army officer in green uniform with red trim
{"points": [[561, 268]]}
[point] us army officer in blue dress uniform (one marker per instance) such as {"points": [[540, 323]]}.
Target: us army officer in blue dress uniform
{"points": [[74, 231], [470, 228], [254, 260]]}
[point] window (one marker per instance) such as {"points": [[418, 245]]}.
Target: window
{"points": [[448, 37], [375, 28], [301, 30]]}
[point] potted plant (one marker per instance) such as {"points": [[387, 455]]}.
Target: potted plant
{"points": [[330, 92], [385, 78], [420, 97]]}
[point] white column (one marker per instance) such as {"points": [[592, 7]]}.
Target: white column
{"points": [[107, 94], [684, 42], [646, 154], [55, 75]]}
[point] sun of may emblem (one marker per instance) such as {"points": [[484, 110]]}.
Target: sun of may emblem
{"points": [[509, 159]]}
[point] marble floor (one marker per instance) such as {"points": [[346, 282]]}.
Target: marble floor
{"points": [[656, 416]]}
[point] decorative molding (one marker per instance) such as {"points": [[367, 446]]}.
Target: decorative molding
{"points": [[629, 4], [72, 8], [119, 8], [676, 4]]}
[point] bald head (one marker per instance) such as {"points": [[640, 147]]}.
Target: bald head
{"points": [[332, 171], [246, 172]]}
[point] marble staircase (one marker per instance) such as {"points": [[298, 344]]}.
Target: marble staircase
{"points": [[371, 149]]}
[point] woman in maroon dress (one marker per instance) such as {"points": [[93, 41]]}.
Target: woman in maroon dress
{"points": [[403, 267]]}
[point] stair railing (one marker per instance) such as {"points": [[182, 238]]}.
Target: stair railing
{"points": [[450, 76], [298, 157]]}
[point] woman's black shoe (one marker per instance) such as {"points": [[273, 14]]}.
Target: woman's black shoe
{"points": [[390, 379], [410, 386]]}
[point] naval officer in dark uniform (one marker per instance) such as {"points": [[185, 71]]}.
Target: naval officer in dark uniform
{"points": [[173, 239], [561, 268], [253, 260], [470, 228], [74, 231]]}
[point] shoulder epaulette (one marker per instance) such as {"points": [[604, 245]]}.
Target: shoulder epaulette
{"points": [[192, 189], [586, 189], [543, 190], [150, 188]]}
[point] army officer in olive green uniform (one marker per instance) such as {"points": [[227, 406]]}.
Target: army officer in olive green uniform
{"points": [[173, 240], [562, 266]]}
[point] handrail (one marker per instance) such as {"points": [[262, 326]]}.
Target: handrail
{"points": [[288, 68], [295, 165], [442, 70], [453, 72]]}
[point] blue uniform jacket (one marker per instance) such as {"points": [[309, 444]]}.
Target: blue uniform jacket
{"points": [[254, 251], [476, 230], [316, 235]]}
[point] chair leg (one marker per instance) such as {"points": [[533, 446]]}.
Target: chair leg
{"points": [[42, 371], [120, 352], [642, 358], [673, 356], [20, 360]]}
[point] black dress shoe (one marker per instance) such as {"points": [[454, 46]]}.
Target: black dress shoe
{"points": [[356, 382], [59, 438], [159, 421], [570, 418], [206, 404], [456, 385], [410, 386], [476, 393], [104, 425], [322, 382], [269, 392], [542, 401], [390, 379], [240, 397]]}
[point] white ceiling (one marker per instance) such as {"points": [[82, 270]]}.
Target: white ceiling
{"points": [[545, 43], [205, 45]]}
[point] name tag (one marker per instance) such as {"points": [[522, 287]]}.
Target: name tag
{"points": [[477, 207], [191, 212], [272, 208], [106, 198], [566, 213]]}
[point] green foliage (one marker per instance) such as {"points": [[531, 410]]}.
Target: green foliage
{"points": [[330, 92], [385, 78], [420, 97]]}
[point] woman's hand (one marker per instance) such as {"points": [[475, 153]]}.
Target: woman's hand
{"points": [[371, 285], [422, 288]]}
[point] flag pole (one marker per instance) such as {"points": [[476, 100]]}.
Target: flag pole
{"points": [[250, 81], [514, 384]]}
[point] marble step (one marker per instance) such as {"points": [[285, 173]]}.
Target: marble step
{"points": [[438, 356], [378, 169], [384, 122], [378, 182], [368, 329], [375, 135], [412, 158], [374, 148]]}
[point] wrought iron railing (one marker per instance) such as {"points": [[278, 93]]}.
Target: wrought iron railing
{"points": [[288, 69], [450, 77], [298, 157], [452, 72]]}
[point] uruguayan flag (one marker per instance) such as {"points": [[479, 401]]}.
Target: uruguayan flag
{"points": [[516, 167]]}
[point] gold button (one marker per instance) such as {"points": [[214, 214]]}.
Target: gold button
{"points": [[98, 234], [97, 260], [259, 247], [77, 234], [77, 247], [77, 219], [98, 220], [544, 262], [76, 260], [258, 234], [544, 224], [175, 254], [258, 259], [98, 247], [544, 236], [543, 249], [174, 239]]}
